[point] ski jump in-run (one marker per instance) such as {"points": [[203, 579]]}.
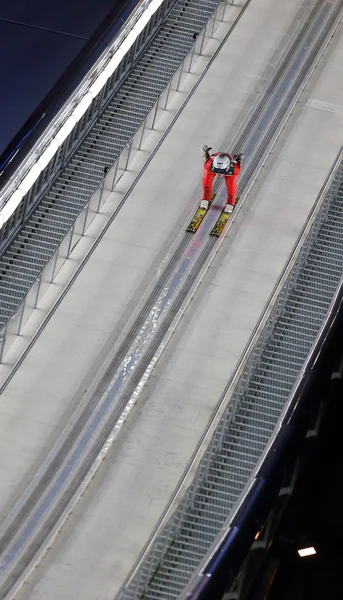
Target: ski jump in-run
{"points": [[220, 164]]}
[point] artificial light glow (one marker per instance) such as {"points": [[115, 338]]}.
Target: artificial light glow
{"points": [[143, 21], [307, 551], [30, 178], [154, 5], [48, 153], [99, 83], [114, 62], [10, 207], [65, 130], [81, 108], [129, 41]]}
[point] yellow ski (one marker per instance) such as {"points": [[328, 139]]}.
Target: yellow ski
{"points": [[198, 217], [221, 222]]}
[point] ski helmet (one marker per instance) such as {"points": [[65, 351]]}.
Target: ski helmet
{"points": [[221, 163]]}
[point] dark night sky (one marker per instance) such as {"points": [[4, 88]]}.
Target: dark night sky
{"points": [[38, 40]]}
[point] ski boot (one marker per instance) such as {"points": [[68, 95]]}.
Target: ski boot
{"points": [[228, 209], [206, 203]]}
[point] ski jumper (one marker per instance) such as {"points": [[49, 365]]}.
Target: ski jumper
{"points": [[230, 180]]}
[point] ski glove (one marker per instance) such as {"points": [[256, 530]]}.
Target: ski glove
{"points": [[238, 157], [205, 148]]}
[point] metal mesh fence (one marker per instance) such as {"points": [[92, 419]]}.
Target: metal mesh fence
{"points": [[49, 235]]}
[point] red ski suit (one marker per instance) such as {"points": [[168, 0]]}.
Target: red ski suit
{"points": [[230, 180]]}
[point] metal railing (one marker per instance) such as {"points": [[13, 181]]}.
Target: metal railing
{"points": [[116, 59], [12, 324], [253, 404]]}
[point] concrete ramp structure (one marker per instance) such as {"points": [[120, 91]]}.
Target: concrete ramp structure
{"points": [[147, 373]]}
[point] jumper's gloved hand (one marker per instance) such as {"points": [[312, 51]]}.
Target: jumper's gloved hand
{"points": [[205, 152], [238, 158]]}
